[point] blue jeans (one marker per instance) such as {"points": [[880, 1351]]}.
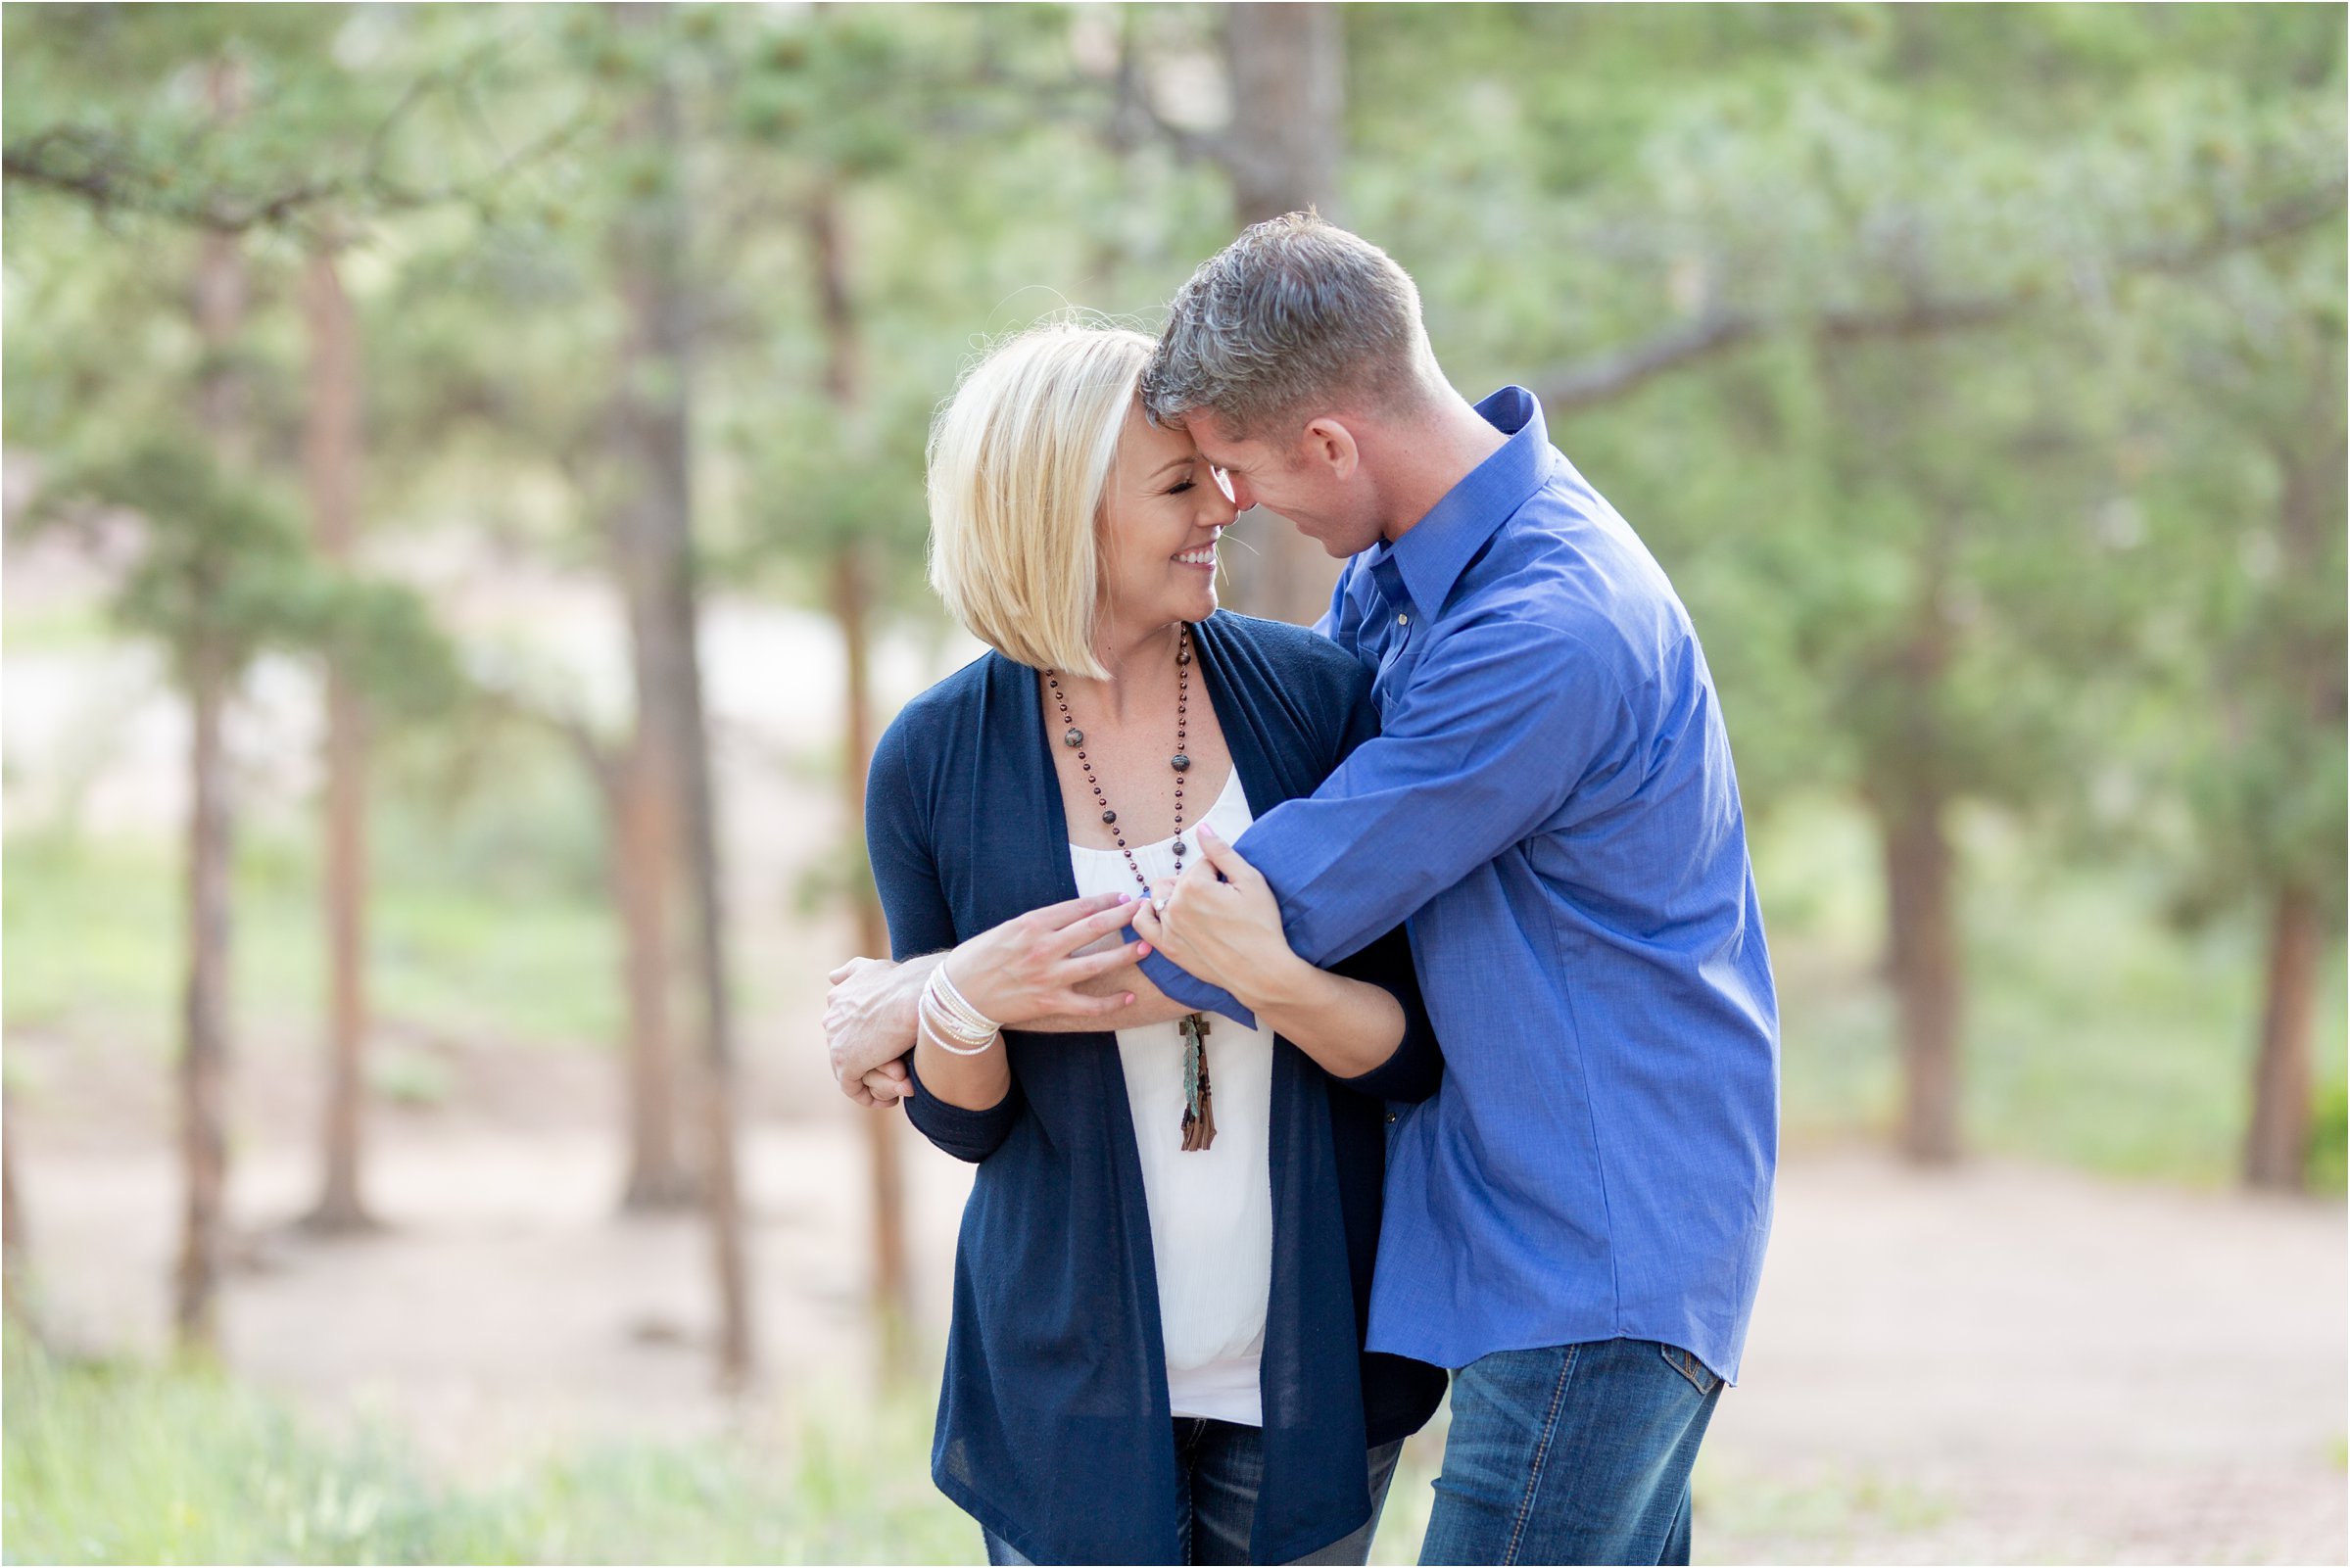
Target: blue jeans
{"points": [[1572, 1453], [1219, 1468]]}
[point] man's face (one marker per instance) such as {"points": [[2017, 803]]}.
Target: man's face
{"points": [[1306, 479]]}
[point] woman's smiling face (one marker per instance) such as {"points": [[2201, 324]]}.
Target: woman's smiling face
{"points": [[1162, 513]]}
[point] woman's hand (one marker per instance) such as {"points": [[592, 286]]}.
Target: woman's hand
{"points": [[1031, 966], [1227, 933]]}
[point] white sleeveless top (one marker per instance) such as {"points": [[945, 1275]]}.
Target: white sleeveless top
{"points": [[1211, 1211]]}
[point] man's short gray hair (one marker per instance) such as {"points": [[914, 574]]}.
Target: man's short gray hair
{"points": [[1296, 318]]}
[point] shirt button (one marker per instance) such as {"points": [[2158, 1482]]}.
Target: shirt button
{"points": [[1391, 1115], [1403, 620]]}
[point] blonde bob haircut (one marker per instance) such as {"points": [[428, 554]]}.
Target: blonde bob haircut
{"points": [[1019, 460]]}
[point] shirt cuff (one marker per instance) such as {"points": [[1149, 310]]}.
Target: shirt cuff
{"points": [[1183, 986]]}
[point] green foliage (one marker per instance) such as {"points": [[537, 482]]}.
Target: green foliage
{"points": [[2247, 499], [222, 569], [2012, 478], [337, 116], [382, 638], [2329, 1140], [224, 572]]}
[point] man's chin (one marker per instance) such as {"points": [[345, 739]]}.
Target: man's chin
{"points": [[1316, 536], [1339, 549]]}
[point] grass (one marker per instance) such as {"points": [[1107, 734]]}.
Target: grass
{"points": [[94, 930], [126, 1462], [130, 1462], [123, 1461], [68, 625], [1824, 1505]]}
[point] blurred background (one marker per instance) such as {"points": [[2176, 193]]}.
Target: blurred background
{"points": [[463, 531]]}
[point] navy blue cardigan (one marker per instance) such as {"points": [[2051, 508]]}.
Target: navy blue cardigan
{"points": [[1053, 1425]]}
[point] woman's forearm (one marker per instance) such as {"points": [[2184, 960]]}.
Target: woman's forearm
{"points": [[972, 1082], [1348, 1027]]}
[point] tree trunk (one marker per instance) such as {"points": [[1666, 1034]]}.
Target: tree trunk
{"points": [[642, 865], [2277, 1148], [851, 604], [1927, 971], [204, 1057], [1909, 791], [1287, 66], [209, 671], [331, 458], [655, 527], [2309, 508], [851, 594]]}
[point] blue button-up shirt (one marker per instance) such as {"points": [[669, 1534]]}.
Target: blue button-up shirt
{"points": [[1551, 809]]}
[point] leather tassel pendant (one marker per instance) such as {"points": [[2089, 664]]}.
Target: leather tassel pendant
{"points": [[1199, 1096]]}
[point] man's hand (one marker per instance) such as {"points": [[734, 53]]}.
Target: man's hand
{"points": [[1225, 932], [1045, 967], [869, 1022]]}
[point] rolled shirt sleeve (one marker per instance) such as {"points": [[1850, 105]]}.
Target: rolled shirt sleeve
{"points": [[1505, 721]]}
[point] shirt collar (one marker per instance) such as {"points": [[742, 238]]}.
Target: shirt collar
{"points": [[1432, 554]]}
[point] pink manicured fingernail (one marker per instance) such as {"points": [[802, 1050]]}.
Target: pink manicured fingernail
{"points": [[1125, 898]]}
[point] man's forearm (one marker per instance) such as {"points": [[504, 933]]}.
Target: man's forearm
{"points": [[1348, 1027], [1150, 1006], [881, 1027], [1203, 996]]}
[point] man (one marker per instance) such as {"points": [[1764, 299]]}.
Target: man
{"points": [[1576, 1224]]}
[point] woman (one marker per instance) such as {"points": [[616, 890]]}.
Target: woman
{"points": [[1164, 1271]]}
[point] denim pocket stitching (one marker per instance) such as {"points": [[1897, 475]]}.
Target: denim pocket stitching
{"points": [[1542, 1451], [1700, 1376]]}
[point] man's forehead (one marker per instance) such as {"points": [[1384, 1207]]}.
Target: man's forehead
{"points": [[1214, 443]]}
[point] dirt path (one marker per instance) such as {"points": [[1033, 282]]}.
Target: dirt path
{"points": [[2004, 1365], [2014, 1364]]}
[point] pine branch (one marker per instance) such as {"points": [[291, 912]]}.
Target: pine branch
{"points": [[1617, 372], [102, 170]]}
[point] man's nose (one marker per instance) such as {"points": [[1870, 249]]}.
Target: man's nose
{"points": [[1236, 486]]}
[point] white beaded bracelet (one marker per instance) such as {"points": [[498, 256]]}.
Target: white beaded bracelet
{"points": [[966, 1023], [932, 1021], [951, 1018]]}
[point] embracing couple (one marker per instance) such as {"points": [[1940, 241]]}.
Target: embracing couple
{"points": [[1324, 1010]]}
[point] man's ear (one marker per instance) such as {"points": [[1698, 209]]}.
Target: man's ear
{"points": [[1329, 443]]}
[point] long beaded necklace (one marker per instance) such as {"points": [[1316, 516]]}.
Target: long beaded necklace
{"points": [[1199, 1108]]}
